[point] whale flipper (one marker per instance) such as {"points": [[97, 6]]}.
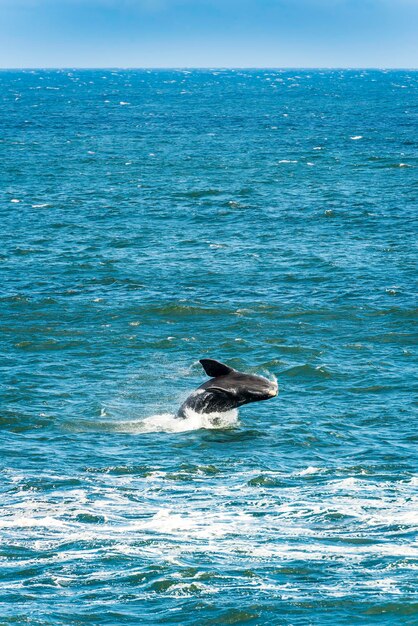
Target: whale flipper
{"points": [[215, 368]]}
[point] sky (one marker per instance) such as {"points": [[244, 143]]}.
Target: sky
{"points": [[209, 33]]}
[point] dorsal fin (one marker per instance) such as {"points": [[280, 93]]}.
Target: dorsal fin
{"points": [[215, 368]]}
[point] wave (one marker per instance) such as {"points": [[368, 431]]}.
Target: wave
{"points": [[309, 371]]}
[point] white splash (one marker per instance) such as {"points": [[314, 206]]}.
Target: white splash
{"points": [[170, 423]]}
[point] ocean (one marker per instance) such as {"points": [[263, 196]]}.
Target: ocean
{"points": [[264, 218]]}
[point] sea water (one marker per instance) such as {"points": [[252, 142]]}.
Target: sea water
{"points": [[264, 218]]}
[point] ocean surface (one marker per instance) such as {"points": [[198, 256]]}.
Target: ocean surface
{"points": [[263, 218]]}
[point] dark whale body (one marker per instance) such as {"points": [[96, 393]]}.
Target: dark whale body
{"points": [[227, 389]]}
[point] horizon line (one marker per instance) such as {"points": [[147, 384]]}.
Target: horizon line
{"points": [[208, 67]]}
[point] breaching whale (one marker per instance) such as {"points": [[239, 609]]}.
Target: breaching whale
{"points": [[227, 389]]}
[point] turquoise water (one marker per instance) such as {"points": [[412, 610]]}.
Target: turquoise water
{"points": [[262, 218]]}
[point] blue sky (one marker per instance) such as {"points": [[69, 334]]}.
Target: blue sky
{"points": [[209, 33]]}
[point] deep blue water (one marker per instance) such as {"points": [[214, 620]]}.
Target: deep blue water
{"points": [[264, 218]]}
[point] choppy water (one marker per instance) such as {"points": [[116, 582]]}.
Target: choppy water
{"points": [[264, 218]]}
